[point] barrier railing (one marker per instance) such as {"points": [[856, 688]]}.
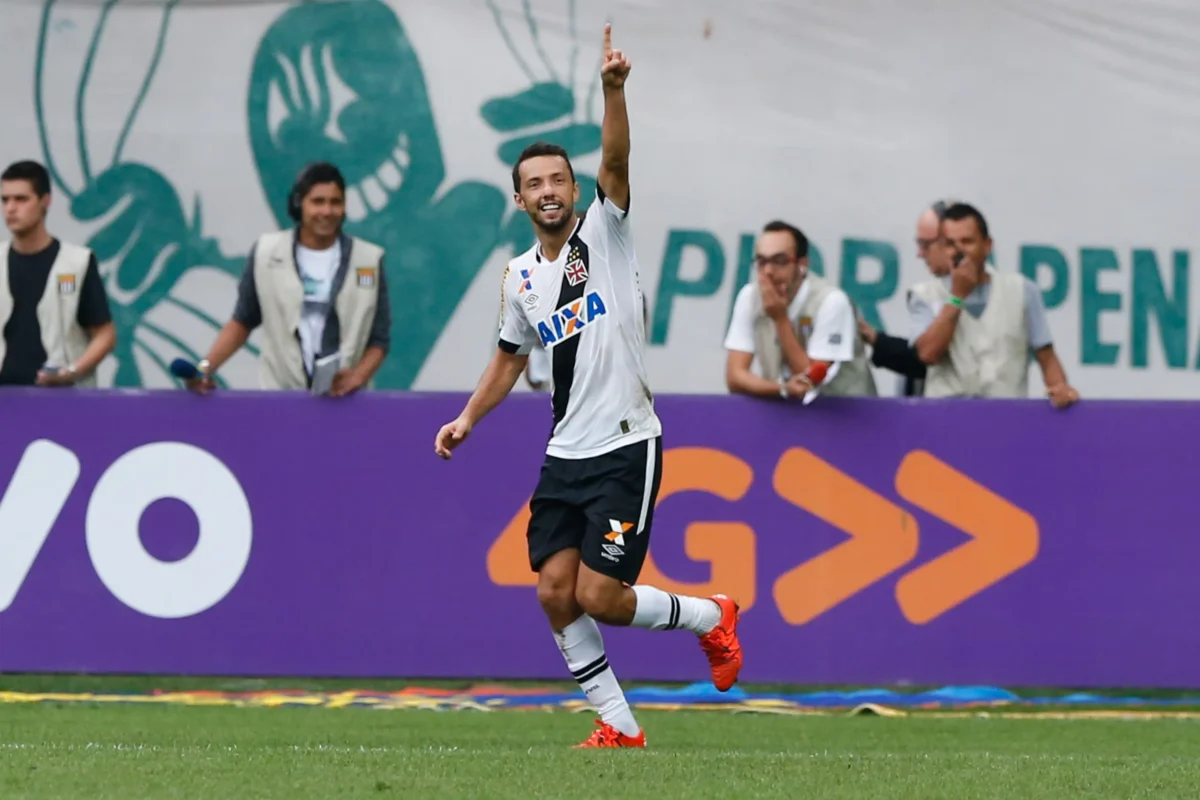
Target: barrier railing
{"points": [[868, 541]]}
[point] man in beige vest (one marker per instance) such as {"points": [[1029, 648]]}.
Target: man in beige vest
{"points": [[319, 295], [896, 353], [54, 312], [976, 327], [792, 333]]}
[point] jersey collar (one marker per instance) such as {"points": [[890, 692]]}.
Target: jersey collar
{"points": [[537, 252]]}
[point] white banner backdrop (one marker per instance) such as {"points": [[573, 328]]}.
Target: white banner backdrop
{"points": [[174, 131]]}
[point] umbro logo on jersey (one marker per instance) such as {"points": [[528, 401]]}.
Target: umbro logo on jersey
{"points": [[572, 318]]}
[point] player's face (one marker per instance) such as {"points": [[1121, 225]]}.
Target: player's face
{"points": [[23, 209], [963, 235], [548, 193], [323, 209], [775, 257], [930, 247]]}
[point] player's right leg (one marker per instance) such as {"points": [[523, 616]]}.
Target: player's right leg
{"points": [[623, 491], [554, 535]]}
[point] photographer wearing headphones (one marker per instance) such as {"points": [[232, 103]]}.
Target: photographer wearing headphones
{"points": [[319, 295]]}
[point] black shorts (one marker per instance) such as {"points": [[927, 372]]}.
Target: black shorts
{"points": [[602, 506]]}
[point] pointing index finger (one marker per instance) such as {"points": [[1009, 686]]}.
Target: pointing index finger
{"points": [[607, 39]]}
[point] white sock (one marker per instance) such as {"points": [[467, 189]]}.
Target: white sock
{"points": [[660, 611], [583, 648]]}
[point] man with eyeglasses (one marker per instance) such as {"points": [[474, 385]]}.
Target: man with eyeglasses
{"points": [[792, 333], [896, 353]]}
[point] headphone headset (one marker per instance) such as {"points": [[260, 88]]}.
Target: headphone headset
{"points": [[305, 181], [294, 198]]}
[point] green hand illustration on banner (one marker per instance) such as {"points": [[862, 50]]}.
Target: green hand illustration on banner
{"points": [[148, 246], [337, 81]]}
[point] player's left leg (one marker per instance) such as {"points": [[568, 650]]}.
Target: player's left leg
{"points": [[614, 548], [556, 528]]}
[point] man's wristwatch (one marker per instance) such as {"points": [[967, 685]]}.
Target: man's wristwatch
{"points": [[205, 367], [783, 389]]}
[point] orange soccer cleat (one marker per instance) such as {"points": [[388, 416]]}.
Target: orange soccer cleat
{"points": [[722, 647], [607, 736]]}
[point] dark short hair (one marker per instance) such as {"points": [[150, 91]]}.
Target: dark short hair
{"points": [[30, 171], [533, 151], [961, 211], [939, 208], [776, 226], [317, 173]]}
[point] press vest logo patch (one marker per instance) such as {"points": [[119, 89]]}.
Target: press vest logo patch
{"points": [[66, 284], [365, 277], [572, 318], [806, 327]]}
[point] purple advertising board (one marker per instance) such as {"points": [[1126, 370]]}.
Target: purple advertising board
{"points": [[869, 541]]}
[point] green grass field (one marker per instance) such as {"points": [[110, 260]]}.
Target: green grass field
{"points": [[124, 752]]}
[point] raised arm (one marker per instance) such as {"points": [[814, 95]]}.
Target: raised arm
{"points": [[613, 176]]}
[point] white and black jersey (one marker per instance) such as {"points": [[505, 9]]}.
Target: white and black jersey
{"points": [[586, 309]]}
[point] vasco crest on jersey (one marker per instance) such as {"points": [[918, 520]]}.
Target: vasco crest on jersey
{"points": [[576, 270], [571, 319]]}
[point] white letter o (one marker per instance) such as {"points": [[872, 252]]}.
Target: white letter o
{"points": [[143, 476]]}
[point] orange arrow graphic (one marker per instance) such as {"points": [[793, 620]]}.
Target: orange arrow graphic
{"points": [[508, 557], [883, 536], [728, 547], [1004, 538]]}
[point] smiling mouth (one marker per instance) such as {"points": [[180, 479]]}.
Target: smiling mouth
{"points": [[550, 208]]}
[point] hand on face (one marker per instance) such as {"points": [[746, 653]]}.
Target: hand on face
{"points": [[774, 303]]}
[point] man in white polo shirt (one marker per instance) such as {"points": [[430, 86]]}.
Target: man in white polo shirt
{"points": [[792, 333]]}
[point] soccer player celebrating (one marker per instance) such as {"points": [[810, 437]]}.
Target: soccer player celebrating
{"points": [[577, 292]]}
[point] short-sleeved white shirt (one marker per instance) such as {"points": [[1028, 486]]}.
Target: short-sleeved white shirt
{"points": [[586, 309], [831, 339]]}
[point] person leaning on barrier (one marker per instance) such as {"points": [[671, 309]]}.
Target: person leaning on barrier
{"points": [[977, 326], [800, 330], [57, 326], [895, 353], [319, 294]]}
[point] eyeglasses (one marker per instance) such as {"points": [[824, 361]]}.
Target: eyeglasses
{"points": [[777, 260]]}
